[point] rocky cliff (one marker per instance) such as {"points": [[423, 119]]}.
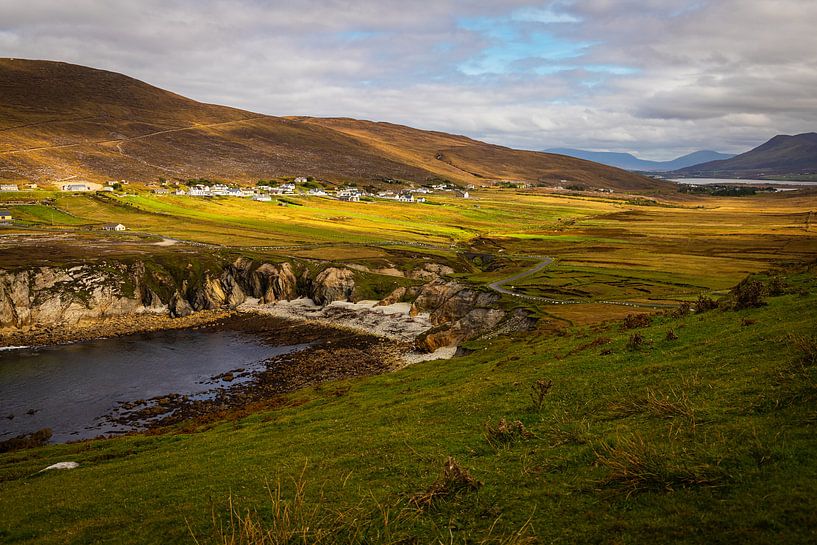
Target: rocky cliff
{"points": [[56, 297]]}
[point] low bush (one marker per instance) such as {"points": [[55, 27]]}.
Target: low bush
{"points": [[453, 481], [505, 433], [539, 390], [634, 321]]}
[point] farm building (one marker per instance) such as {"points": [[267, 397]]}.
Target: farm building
{"points": [[75, 187], [9, 187], [113, 227], [5, 216]]}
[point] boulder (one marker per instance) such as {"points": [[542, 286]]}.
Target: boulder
{"points": [[332, 284]]}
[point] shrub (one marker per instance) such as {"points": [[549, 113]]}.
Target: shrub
{"points": [[636, 342], [633, 321], [454, 480], [539, 390], [704, 304], [671, 335], [748, 294], [683, 309], [505, 433]]}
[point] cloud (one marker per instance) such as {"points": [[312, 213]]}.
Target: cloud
{"points": [[652, 76]]}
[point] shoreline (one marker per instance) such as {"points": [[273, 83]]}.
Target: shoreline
{"points": [[388, 322]]}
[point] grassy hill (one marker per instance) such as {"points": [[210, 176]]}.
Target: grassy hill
{"points": [[674, 427], [700, 432], [59, 121]]}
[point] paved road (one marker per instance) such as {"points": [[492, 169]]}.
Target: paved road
{"points": [[499, 287]]}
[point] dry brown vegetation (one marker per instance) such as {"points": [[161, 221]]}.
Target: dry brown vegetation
{"points": [[110, 126]]}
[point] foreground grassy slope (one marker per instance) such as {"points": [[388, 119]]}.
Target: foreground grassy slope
{"points": [[707, 438], [110, 126]]}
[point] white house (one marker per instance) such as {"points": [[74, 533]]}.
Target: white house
{"points": [[113, 227], [200, 191], [405, 197], [180, 192], [316, 193], [288, 189], [76, 187], [463, 194], [9, 187], [300, 180], [262, 198]]}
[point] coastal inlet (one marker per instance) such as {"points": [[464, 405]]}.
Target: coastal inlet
{"points": [[129, 383]]}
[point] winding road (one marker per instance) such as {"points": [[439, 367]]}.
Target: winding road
{"points": [[499, 287]]}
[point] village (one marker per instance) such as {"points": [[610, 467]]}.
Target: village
{"points": [[263, 191]]}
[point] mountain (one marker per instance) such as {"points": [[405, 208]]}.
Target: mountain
{"points": [[628, 161], [781, 155], [60, 121]]}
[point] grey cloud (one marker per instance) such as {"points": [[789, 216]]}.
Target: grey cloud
{"points": [[723, 74]]}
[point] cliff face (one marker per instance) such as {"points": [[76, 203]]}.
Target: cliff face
{"points": [[54, 297]]}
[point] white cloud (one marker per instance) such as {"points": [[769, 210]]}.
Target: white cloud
{"points": [[650, 77]]}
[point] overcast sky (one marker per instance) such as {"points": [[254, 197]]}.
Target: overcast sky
{"points": [[655, 77]]}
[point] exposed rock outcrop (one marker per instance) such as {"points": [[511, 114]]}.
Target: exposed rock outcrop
{"points": [[333, 284], [45, 297]]}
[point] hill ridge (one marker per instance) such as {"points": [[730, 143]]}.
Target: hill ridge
{"points": [[112, 126]]}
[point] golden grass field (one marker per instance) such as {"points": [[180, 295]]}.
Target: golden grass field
{"points": [[607, 248]]}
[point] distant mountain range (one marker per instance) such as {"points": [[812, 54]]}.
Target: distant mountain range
{"points": [[782, 155], [628, 161]]}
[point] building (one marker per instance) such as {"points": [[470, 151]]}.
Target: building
{"points": [[113, 227], [349, 197], [316, 193], [160, 191], [107, 189], [463, 194], [76, 187], [9, 187], [262, 198], [200, 191], [300, 180], [5, 216]]}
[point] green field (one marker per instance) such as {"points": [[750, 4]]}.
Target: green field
{"points": [[675, 441], [705, 435]]}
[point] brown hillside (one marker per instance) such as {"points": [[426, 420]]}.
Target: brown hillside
{"points": [[60, 121]]}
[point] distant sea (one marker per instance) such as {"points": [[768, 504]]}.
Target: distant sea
{"points": [[733, 181]]}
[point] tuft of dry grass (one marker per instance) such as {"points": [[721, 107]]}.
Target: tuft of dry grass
{"points": [[505, 433], [453, 481], [637, 465], [806, 347], [291, 518], [658, 404]]}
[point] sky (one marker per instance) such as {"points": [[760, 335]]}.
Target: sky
{"points": [[659, 78]]}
